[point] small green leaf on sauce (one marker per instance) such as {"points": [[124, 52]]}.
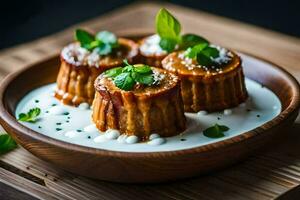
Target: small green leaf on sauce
{"points": [[216, 131], [31, 116]]}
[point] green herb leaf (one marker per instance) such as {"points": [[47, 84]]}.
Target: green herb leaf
{"points": [[167, 26], [124, 81], [104, 49], [203, 53], [204, 60], [143, 69], [216, 131], [103, 43], [190, 40], [6, 143], [113, 72], [192, 52], [146, 79], [167, 44], [31, 116], [93, 44], [84, 37], [125, 78], [211, 52], [106, 37]]}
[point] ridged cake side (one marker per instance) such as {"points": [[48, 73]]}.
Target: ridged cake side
{"points": [[215, 94], [79, 69], [139, 115], [75, 84], [205, 88]]}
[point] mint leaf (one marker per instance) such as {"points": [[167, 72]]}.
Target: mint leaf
{"points": [[192, 52], [84, 37], [167, 44], [216, 131], [104, 42], [190, 40], [211, 52], [204, 60], [6, 143], [203, 53], [128, 68], [30, 116], [106, 37], [125, 78], [146, 79], [167, 26], [104, 49], [113, 72], [93, 44], [143, 69], [124, 81]]}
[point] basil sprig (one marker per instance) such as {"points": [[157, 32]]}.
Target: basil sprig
{"points": [[103, 42], [168, 28], [31, 116], [126, 77], [6, 143], [204, 54], [216, 131]]}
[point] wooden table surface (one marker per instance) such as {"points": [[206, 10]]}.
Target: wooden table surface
{"points": [[272, 173]]}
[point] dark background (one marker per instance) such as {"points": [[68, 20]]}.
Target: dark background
{"points": [[22, 21]]}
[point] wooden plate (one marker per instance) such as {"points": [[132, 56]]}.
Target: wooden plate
{"points": [[145, 167]]}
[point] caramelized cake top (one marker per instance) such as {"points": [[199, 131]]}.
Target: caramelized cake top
{"points": [[76, 55], [164, 81], [178, 63]]}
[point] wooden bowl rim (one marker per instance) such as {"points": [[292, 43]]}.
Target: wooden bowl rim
{"points": [[293, 106]]}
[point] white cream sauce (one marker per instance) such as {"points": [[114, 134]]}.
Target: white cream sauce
{"points": [[74, 125]]}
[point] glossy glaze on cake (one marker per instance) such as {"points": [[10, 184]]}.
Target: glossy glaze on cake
{"points": [[143, 110], [210, 88], [80, 67]]}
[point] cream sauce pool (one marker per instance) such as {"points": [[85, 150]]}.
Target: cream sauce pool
{"points": [[74, 124]]}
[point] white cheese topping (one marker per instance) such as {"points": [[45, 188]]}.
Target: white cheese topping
{"points": [[151, 46], [224, 55], [76, 55], [158, 77]]}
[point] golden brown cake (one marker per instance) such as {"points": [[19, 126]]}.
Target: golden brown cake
{"points": [[150, 51], [156, 108], [209, 88], [80, 67]]}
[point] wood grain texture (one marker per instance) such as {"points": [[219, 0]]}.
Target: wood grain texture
{"points": [[263, 176]]}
